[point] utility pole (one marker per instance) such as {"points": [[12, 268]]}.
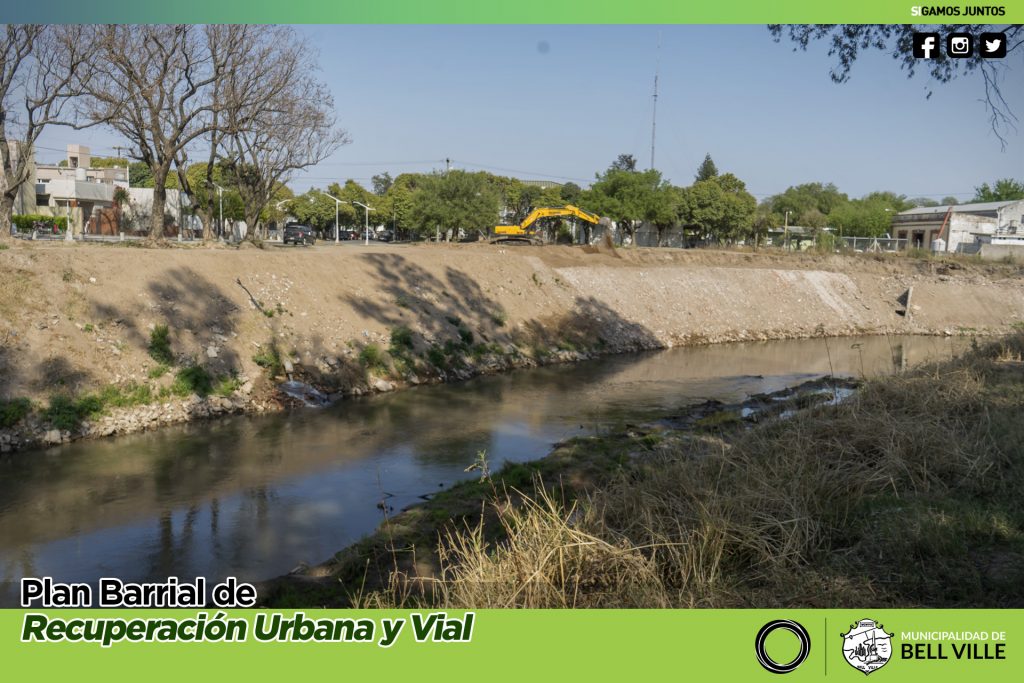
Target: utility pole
{"points": [[447, 166], [654, 112]]}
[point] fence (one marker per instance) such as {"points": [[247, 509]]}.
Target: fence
{"points": [[875, 244]]}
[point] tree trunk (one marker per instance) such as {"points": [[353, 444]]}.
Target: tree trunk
{"points": [[207, 221], [252, 227], [6, 211], [156, 226]]}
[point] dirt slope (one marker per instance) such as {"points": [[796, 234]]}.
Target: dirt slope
{"points": [[76, 317]]}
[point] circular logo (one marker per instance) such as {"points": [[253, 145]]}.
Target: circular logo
{"points": [[794, 627]]}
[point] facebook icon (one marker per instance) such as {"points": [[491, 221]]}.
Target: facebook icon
{"points": [[925, 45]]}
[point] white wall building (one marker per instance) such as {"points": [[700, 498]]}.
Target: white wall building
{"points": [[963, 227]]}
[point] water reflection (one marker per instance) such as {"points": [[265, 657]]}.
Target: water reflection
{"points": [[252, 497]]}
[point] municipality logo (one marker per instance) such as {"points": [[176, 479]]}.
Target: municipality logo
{"points": [[866, 646]]}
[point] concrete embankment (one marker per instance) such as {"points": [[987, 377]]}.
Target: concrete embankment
{"points": [[77, 320]]}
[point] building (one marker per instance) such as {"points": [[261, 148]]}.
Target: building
{"points": [[963, 228], [78, 157]]}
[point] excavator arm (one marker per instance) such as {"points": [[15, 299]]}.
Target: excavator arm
{"points": [[522, 230]]}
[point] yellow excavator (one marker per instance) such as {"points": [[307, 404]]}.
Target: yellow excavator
{"points": [[524, 231]]}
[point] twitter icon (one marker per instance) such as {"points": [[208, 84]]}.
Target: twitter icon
{"points": [[993, 45]]}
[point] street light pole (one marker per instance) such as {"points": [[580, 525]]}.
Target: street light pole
{"points": [[337, 212], [368, 210]]}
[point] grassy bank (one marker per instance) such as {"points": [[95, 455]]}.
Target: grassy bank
{"points": [[910, 493]]}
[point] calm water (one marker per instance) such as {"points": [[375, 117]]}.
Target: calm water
{"points": [[253, 497]]}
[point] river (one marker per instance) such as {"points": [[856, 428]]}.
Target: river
{"points": [[253, 497]]}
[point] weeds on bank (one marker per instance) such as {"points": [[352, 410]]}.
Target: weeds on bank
{"points": [[160, 345], [372, 358], [13, 410], [270, 360]]}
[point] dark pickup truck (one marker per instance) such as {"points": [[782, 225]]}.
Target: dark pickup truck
{"points": [[297, 233]]}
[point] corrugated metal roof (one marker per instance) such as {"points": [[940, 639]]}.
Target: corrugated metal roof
{"points": [[960, 208]]}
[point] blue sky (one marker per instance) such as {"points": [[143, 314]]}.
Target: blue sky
{"points": [[561, 102]]}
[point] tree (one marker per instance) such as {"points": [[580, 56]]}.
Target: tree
{"points": [[314, 209], [630, 198], [764, 220], [664, 212], [41, 69], [570, 193], [624, 162], [707, 169], [140, 174], [950, 201], [200, 182], [277, 117], [806, 202], [382, 183], [455, 200], [400, 198], [923, 201], [1004, 189], [721, 207], [350, 213], [155, 86], [869, 216], [848, 41]]}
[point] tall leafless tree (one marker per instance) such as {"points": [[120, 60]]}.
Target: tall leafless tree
{"points": [[41, 69], [155, 85], [229, 43], [277, 118]]}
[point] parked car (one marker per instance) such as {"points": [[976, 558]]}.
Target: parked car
{"points": [[386, 236], [297, 233]]}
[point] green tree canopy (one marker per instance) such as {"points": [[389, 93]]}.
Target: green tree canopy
{"points": [[630, 197], [805, 203], [1004, 189], [570, 193], [707, 169], [720, 206], [623, 162], [381, 183], [454, 200], [869, 216]]}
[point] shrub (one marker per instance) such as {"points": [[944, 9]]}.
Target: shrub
{"points": [[24, 223], [466, 335], [158, 372], [160, 345], [270, 360], [401, 339], [194, 379], [125, 396], [13, 410], [66, 413], [227, 385], [371, 357], [499, 318], [437, 357]]}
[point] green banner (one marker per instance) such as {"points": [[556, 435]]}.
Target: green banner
{"points": [[731, 645], [521, 12]]}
